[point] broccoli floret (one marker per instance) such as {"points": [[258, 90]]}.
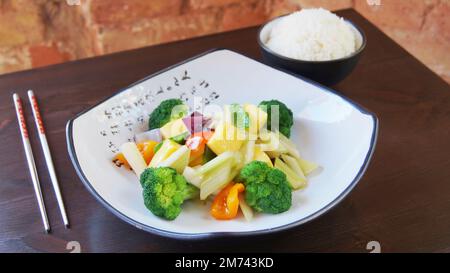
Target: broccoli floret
{"points": [[286, 118], [266, 189], [163, 114], [165, 191]]}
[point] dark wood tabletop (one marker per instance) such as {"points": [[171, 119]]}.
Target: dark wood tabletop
{"points": [[403, 201]]}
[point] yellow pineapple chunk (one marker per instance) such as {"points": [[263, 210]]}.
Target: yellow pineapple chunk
{"points": [[226, 138], [173, 128]]}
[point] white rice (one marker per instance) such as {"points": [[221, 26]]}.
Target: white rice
{"points": [[312, 35]]}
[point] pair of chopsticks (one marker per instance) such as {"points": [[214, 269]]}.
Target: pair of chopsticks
{"points": [[30, 158]]}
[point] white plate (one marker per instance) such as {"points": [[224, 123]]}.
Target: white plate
{"points": [[328, 129]]}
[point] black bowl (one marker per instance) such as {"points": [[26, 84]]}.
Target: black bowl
{"points": [[325, 72]]}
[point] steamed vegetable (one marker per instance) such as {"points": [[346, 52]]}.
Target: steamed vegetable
{"points": [[231, 158], [307, 166], [245, 208], [248, 151], [285, 116], [266, 189], [178, 159], [216, 180], [146, 149], [226, 138], [217, 173], [167, 148], [293, 165], [133, 157], [174, 128], [164, 191], [294, 179], [288, 145], [226, 204], [217, 162], [270, 142], [167, 111], [191, 176], [259, 155]]}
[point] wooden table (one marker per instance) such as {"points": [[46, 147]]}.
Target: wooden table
{"points": [[403, 201]]}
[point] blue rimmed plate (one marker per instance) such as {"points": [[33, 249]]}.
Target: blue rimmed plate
{"points": [[329, 129]]}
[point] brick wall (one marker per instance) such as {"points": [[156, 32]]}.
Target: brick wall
{"points": [[35, 33]]}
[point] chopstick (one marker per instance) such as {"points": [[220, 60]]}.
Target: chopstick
{"points": [[48, 156], [30, 160]]}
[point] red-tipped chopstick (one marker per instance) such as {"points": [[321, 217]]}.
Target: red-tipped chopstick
{"points": [[30, 160], [48, 156]]}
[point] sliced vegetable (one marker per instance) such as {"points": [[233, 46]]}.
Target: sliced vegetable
{"points": [[295, 181], [168, 147], [217, 162], [226, 204], [133, 157], [146, 148], [261, 156], [271, 144], [293, 164], [248, 151], [201, 155], [178, 159], [173, 128], [233, 199], [247, 211], [191, 176], [153, 134], [289, 145], [215, 181], [307, 166]]}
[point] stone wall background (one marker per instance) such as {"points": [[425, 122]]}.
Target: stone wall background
{"points": [[36, 33]]}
